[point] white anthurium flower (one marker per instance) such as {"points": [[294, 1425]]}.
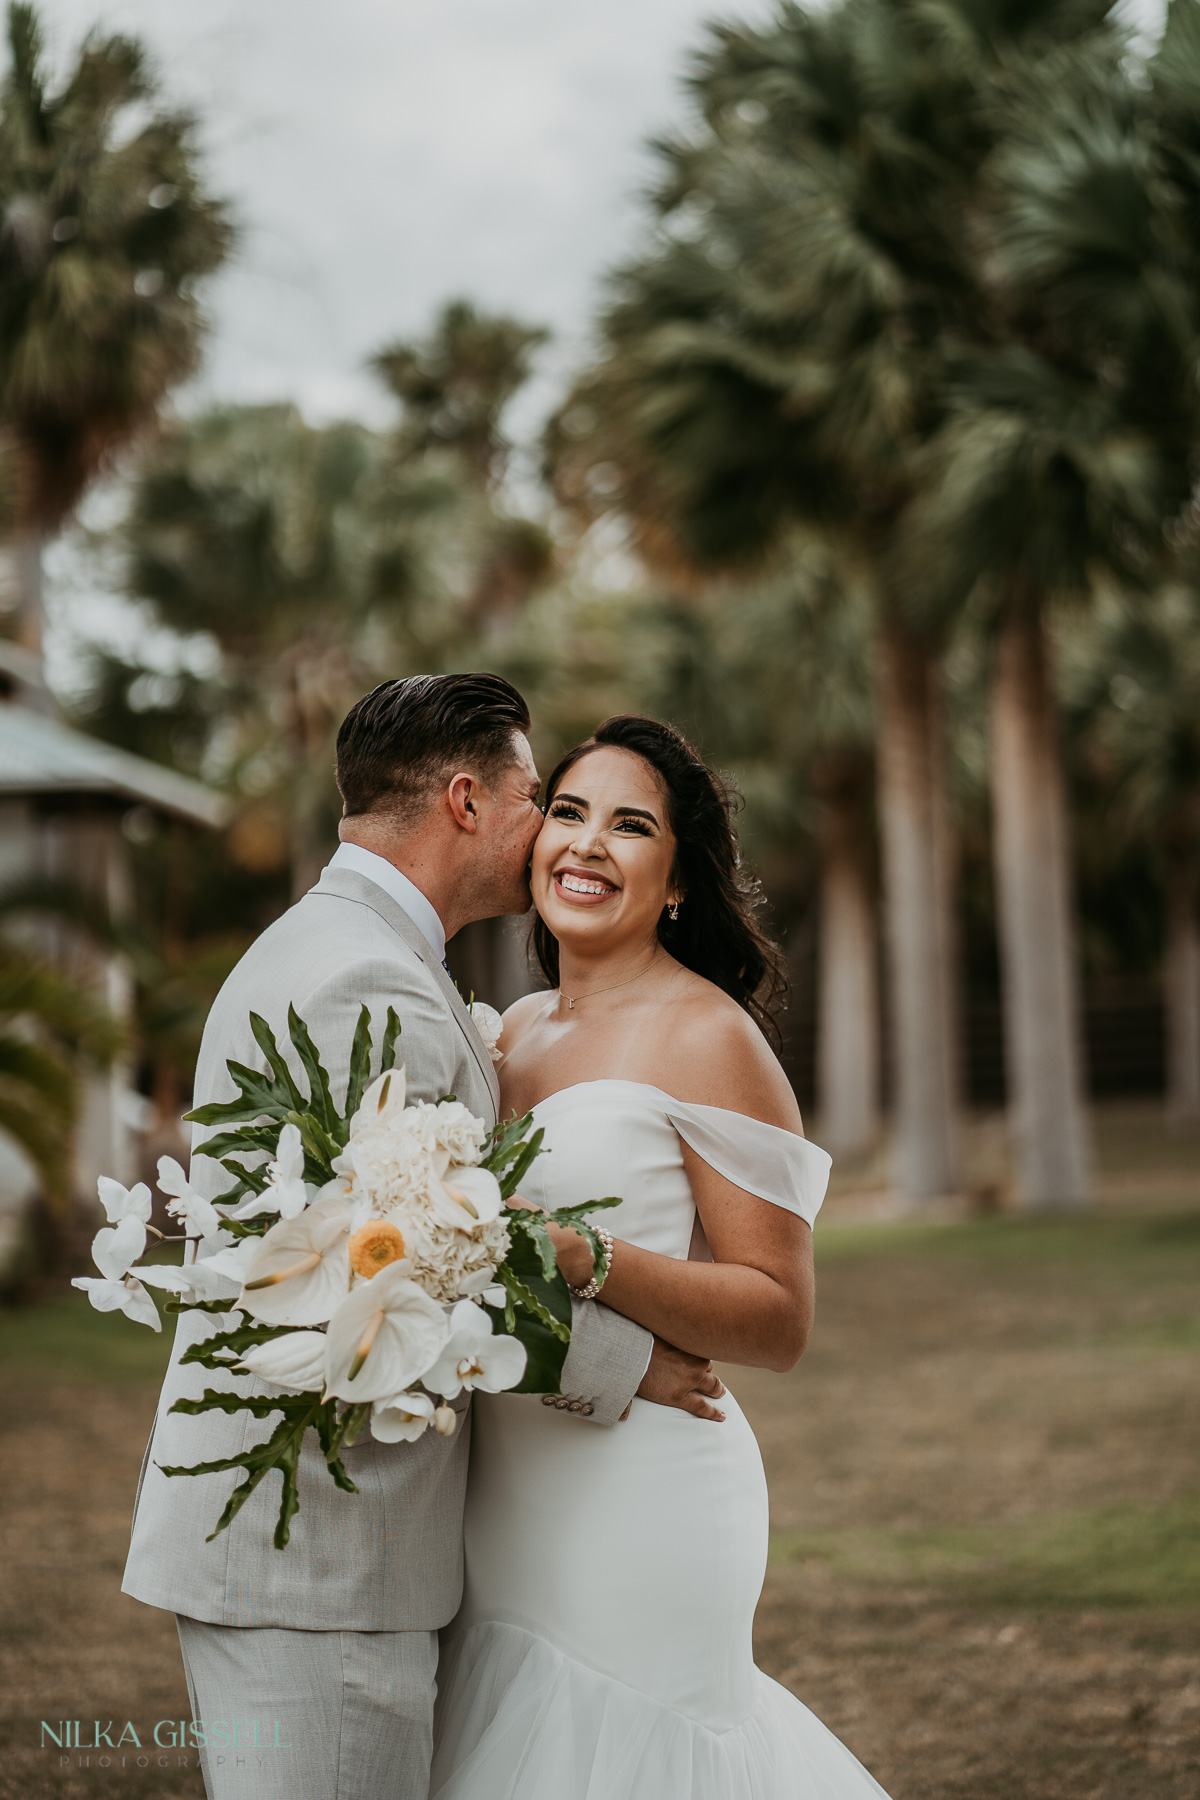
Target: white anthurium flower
{"points": [[489, 1025], [299, 1270], [383, 1337], [286, 1193], [200, 1217], [295, 1362], [382, 1102], [466, 1197], [121, 1202], [127, 1296], [473, 1357], [402, 1419]]}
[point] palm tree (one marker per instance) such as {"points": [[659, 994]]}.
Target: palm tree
{"points": [[1132, 677], [454, 387], [49, 1026], [1064, 450], [104, 234], [781, 353], [248, 524]]}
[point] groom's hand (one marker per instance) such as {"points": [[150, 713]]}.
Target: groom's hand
{"points": [[674, 1378]]}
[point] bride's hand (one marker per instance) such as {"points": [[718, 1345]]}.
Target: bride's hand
{"points": [[573, 1252]]}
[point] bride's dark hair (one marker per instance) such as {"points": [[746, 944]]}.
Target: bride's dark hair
{"points": [[716, 933]]}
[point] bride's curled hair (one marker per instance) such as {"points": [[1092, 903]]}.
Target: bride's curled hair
{"points": [[717, 934]]}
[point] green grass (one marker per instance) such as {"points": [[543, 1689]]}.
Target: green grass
{"points": [[1169, 1242], [67, 1340], [1115, 1557]]}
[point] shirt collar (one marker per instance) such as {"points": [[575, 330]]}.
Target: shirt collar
{"points": [[405, 893]]}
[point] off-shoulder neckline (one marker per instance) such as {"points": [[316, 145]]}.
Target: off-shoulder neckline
{"points": [[648, 1087]]}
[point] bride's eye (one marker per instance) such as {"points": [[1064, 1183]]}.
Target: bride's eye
{"points": [[636, 825], [562, 809]]}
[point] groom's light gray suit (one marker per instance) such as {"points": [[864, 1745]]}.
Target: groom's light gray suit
{"points": [[334, 1637]]}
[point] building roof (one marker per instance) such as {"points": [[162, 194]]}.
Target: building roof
{"points": [[41, 756]]}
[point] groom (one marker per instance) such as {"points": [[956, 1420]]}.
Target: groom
{"points": [[311, 1670]]}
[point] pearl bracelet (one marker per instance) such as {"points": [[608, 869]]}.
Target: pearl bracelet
{"points": [[593, 1287]]}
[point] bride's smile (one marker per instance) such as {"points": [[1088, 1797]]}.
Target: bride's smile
{"points": [[603, 864]]}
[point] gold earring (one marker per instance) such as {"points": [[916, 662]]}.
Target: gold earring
{"points": [[673, 910]]}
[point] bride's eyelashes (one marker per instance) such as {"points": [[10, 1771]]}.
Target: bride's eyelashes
{"points": [[563, 809]]}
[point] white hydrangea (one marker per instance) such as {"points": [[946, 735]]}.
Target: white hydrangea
{"points": [[457, 1130], [442, 1257]]}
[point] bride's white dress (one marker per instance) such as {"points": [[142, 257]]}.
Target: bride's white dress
{"points": [[603, 1650]]}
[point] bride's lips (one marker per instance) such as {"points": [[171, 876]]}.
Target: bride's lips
{"points": [[586, 888]]}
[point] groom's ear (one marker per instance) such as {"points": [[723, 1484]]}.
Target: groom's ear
{"points": [[462, 797]]}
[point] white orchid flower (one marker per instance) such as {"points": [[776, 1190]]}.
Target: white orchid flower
{"points": [[300, 1270], [473, 1357], [383, 1337], [478, 1285], [466, 1197], [121, 1202], [295, 1362], [286, 1192], [215, 1277], [200, 1217], [402, 1419], [127, 1296], [115, 1249]]}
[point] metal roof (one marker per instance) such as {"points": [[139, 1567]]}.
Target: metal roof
{"points": [[41, 756]]}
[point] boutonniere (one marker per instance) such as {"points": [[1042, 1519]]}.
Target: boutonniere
{"points": [[489, 1025]]}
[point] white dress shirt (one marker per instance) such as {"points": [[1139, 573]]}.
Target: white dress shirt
{"points": [[405, 893]]}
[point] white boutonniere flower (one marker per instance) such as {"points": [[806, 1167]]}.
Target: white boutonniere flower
{"points": [[489, 1025]]}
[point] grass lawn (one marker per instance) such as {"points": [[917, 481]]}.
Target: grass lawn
{"points": [[985, 1480]]}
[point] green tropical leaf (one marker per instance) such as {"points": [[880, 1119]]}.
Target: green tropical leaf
{"points": [[320, 1094], [360, 1072]]}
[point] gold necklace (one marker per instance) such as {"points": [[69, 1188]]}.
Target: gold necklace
{"points": [[604, 990]]}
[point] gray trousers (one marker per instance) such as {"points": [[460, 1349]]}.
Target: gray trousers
{"points": [[311, 1715]]}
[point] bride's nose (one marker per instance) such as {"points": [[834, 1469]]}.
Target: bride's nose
{"points": [[586, 840]]}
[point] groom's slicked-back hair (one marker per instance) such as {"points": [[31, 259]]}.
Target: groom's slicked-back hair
{"points": [[405, 739]]}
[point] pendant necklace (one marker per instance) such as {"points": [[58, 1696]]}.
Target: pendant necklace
{"points": [[604, 990]]}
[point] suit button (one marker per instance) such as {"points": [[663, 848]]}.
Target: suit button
{"points": [[587, 1410], [560, 1402], [547, 1399], [576, 1406]]}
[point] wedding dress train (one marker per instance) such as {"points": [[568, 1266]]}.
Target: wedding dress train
{"points": [[603, 1649]]}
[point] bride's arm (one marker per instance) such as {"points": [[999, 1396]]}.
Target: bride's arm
{"points": [[753, 1303]]}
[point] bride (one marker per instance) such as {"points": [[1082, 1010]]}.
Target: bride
{"points": [[603, 1648]]}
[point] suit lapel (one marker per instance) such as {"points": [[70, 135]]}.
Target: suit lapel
{"points": [[347, 884]]}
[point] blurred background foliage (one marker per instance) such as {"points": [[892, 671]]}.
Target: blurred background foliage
{"points": [[878, 481]]}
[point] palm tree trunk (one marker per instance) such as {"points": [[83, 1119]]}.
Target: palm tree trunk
{"points": [[916, 866], [25, 603], [848, 981], [1182, 991], [1030, 841]]}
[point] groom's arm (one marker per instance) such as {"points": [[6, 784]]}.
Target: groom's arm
{"points": [[606, 1360]]}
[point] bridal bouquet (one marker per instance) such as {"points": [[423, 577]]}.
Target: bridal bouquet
{"points": [[370, 1269]]}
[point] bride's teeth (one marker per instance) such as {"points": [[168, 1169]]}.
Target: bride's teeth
{"points": [[575, 886]]}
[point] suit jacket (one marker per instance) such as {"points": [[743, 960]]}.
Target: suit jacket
{"points": [[390, 1557]]}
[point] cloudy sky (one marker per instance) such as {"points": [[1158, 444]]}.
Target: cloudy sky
{"points": [[383, 155]]}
